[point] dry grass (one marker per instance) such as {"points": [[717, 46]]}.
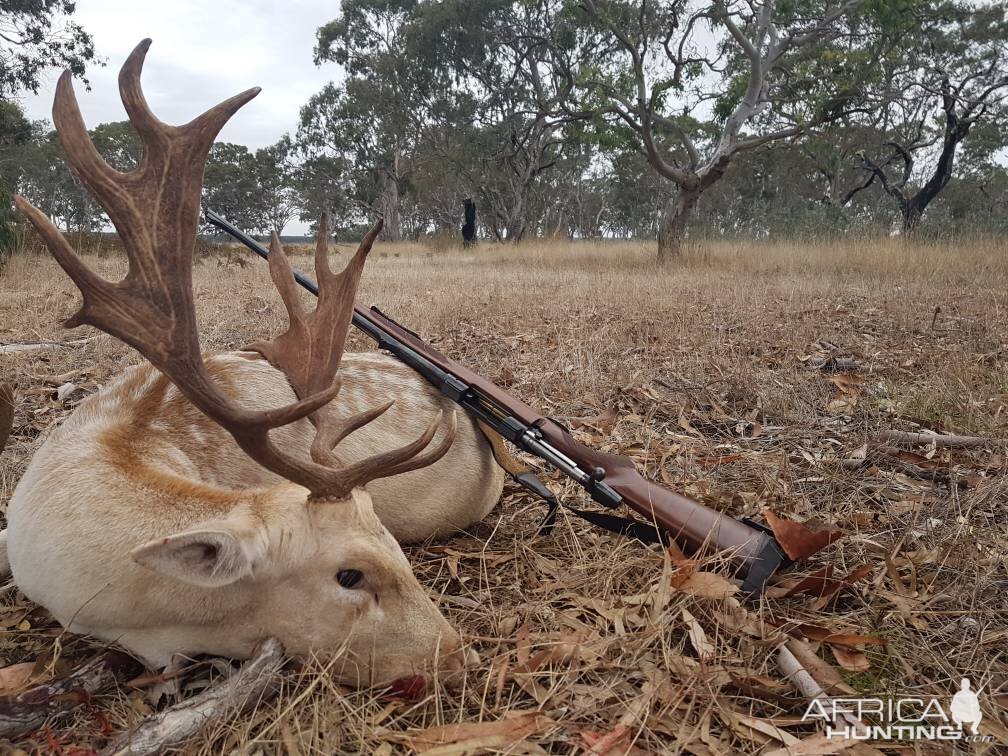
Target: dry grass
{"points": [[710, 367]]}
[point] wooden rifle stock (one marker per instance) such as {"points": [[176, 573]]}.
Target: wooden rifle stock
{"points": [[752, 550]]}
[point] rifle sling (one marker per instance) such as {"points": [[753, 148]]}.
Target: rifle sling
{"points": [[523, 476]]}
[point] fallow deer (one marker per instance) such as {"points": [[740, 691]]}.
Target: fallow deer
{"points": [[199, 504]]}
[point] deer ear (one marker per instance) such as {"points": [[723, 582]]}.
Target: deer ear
{"points": [[210, 558]]}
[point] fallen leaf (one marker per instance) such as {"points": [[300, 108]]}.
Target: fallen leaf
{"points": [[471, 737], [850, 659], [703, 584], [411, 688], [798, 539], [848, 383], [819, 583], [697, 636], [842, 405], [15, 677], [617, 740], [602, 423], [825, 635], [740, 720]]}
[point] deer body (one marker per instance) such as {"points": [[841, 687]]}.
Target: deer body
{"points": [[199, 505], [134, 465]]}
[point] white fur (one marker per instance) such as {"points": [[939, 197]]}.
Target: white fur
{"points": [[104, 531]]}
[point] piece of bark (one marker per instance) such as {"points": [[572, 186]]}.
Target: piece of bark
{"points": [[31, 708], [255, 681], [838, 365], [945, 440]]}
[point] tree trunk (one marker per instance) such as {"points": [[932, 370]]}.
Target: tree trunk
{"points": [[913, 209], [469, 227], [672, 224], [514, 230], [388, 208], [387, 204]]}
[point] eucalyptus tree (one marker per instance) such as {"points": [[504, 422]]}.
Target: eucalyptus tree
{"points": [[378, 113], [695, 84], [501, 96], [118, 143], [230, 186], [36, 36], [954, 77], [49, 184], [16, 133], [276, 199], [320, 188]]}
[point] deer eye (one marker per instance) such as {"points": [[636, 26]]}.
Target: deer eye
{"points": [[349, 578]]}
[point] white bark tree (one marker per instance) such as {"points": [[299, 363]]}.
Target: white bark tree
{"points": [[694, 84]]}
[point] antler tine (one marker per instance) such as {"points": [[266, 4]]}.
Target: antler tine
{"points": [[84, 278], [403, 459], [331, 432], [141, 117], [90, 166]]}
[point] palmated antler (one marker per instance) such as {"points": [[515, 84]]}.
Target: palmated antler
{"points": [[155, 209], [309, 353]]}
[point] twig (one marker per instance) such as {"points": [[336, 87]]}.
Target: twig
{"points": [[6, 413], [145, 681], [948, 441], [35, 346], [889, 457], [808, 687], [258, 679], [31, 708]]}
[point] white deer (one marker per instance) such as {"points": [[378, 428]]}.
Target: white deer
{"points": [[165, 515]]}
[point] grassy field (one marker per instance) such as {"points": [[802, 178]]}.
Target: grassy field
{"points": [[754, 375]]}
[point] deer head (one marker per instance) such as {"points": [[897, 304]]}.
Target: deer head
{"points": [[310, 563]]}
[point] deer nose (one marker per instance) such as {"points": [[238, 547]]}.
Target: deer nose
{"points": [[455, 657]]}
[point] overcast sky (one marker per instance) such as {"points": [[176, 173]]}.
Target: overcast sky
{"points": [[204, 52]]}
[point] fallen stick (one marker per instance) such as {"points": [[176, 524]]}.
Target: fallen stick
{"points": [[30, 709], [807, 685], [838, 365], [6, 413], [16, 348], [888, 457], [948, 441], [257, 680]]}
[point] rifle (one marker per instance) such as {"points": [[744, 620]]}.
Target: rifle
{"points": [[610, 479]]}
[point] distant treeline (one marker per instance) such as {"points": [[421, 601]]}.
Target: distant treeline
{"points": [[616, 119]]}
